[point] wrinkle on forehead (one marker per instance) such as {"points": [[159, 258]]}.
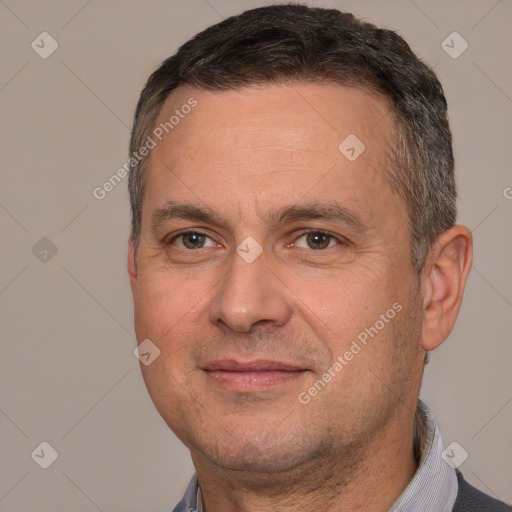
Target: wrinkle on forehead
{"points": [[316, 107], [275, 145]]}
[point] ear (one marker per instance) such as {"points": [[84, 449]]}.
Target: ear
{"points": [[132, 265], [445, 274]]}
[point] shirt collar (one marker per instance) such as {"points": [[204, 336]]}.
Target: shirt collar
{"points": [[433, 488]]}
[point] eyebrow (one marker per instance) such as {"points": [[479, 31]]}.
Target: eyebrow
{"points": [[174, 210], [331, 211]]}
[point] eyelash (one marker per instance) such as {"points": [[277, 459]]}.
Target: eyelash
{"points": [[189, 232], [339, 240]]}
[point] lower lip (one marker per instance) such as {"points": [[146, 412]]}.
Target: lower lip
{"points": [[254, 381]]}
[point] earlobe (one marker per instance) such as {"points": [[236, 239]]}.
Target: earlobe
{"points": [[447, 268]]}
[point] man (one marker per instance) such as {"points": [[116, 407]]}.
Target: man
{"points": [[293, 259]]}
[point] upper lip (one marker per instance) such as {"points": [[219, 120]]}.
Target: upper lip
{"points": [[233, 365]]}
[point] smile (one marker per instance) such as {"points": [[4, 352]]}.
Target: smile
{"points": [[251, 377]]}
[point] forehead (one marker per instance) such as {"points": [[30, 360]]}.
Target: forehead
{"points": [[324, 109], [276, 142]]}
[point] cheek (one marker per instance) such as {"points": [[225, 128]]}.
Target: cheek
{"points": [[163, 302], [166, 318], [372, 335], [349, 301]]}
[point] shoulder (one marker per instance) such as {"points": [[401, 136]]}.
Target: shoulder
{"points": [[470, 499]]}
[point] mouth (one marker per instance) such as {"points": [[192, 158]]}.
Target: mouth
{"points": [[251, 376]]}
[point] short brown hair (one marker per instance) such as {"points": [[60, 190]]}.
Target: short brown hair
{"points": [[285, 43]]}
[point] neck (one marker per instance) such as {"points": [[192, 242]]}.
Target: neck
{"points": [[369, 478]]}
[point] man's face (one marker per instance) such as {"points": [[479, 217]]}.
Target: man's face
{"points": [[265, 253]]}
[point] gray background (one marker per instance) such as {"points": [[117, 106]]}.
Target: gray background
{"points": [[68, 374]]}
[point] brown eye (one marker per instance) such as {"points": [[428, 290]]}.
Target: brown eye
{"points": [[316, 240], [192, 240]]}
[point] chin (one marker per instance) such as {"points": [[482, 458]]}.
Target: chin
{"points": [[256, 459], [268, 450]]}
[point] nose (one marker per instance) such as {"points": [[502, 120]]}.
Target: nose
{"points": [[250, 296]]}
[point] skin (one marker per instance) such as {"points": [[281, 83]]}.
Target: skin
{"points": [[243, 156]]}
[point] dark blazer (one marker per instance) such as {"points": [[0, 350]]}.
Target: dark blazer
{"points": [[470, 499]]}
